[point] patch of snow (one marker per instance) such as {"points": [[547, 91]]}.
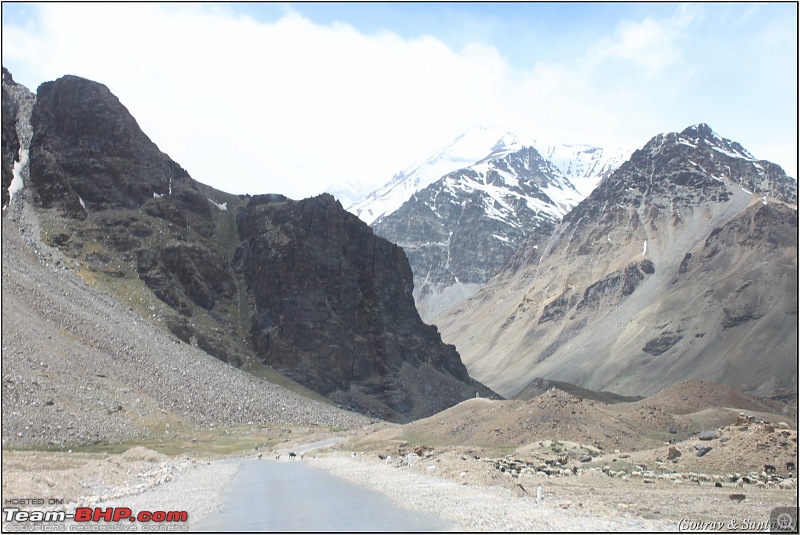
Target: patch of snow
{"points": [[731, 153], [584, 165], [17, 182], [223, 206], [503, 239], [83, 204], [21, 168], [157, 195], [644, 249]]}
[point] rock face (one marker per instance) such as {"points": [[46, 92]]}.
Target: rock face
{"points": [[87, 154], [462, 212], [681, 265], [10, 141], [459, 231], [264, 282], [335, 312]]}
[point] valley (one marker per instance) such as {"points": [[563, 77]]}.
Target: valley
{"points": [[631, 365], [133, 442]]}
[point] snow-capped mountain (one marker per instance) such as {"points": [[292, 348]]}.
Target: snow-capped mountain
{"points": [[460, 213], [460, 230], [583, 165], [468, 149]]}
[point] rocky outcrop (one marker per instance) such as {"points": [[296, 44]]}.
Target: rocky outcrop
{"points": [[462, 229], [335, 312], [261, 282], [539, 386], [10, 141], [87, 152]]}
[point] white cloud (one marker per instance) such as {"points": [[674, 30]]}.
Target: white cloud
{"points": [[647, 44], [650, 44], [296, 107], [289, 105]]}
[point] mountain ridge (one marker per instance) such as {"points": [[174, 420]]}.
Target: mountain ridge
{"points": [[583, 164], [460, 228], [133, 221], [607, 303]]}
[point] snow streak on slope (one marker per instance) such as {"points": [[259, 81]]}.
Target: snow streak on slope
{"points": [[25, 100]]}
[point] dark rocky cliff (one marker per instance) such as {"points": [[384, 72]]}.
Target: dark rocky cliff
{"points": [[10, 140], [88, 153], [301, 287], [334, 309]]}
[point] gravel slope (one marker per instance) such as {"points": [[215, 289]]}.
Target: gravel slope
{"points": [[79, 367], [475, 498]]}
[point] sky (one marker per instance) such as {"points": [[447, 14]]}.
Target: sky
{"points": [[304, 98]]}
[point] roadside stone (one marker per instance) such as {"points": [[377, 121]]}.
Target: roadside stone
{"points": [[673, 453], [707, 435]]}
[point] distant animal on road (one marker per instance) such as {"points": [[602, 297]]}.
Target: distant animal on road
{"points": [[292, 455]]}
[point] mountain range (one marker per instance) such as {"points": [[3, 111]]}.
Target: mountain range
{"points": [[297, 291], [681, 264], [541, 264], [461, 213]]}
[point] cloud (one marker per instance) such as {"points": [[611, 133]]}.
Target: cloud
{"points": [[254, 106], [292, 106], [650, 44]]}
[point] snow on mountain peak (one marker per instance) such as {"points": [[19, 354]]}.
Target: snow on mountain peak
{"points": [[583, 165], [471, 147], [698, 133]]}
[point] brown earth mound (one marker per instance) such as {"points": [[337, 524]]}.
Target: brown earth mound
{"points": [[676, 414], [693, 396]]}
